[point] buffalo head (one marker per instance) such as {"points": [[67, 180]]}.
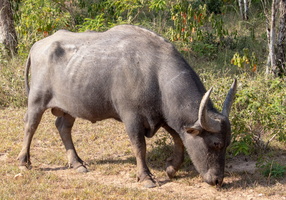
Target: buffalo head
{"points": [[206, 141]]}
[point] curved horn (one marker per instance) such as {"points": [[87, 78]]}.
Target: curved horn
{"points": [[229, 99], [205, 121]]}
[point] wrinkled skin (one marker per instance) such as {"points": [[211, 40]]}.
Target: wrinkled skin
{"points": [[134, 76]]}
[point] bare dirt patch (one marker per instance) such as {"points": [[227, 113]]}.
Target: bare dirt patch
{"points": [[241, 165], [3, 156]]}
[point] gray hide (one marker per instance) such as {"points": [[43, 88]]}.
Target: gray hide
{"points": [[132, 75]]}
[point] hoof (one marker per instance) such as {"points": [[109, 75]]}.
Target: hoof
{"points": [[149, 184], [81, 169], [148, 181], [171, 171]]}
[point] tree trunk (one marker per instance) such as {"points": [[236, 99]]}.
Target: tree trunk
{"points": [[8, 35], [280, 57], [245, 14], [240, 3], [272, 34], [243, 8], [276, 64]]}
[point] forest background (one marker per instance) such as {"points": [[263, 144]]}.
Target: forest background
{"points": [[221, 39]]}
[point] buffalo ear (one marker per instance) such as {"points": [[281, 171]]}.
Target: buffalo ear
{"points": [[193, 131]]}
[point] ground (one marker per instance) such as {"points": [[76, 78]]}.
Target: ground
{"points": [[112, 168]]}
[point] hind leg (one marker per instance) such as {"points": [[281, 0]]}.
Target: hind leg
{"points": [[175, 161], [32, 120], [64, 125]]}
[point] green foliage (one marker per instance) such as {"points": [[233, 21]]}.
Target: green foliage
{"points": [[271, 169], [259, 109], [37, 19], [214, 6], [247, 62], [191, 24], [199, 30], [187, 21], [242, 144], [109, 13], [158, 5], [264, 100], [258, 112], [96, 24]]}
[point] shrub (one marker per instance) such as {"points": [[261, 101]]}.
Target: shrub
{"points": [[109, 13], [34, 24], [260, 107], [271, 169], [258, 112]]}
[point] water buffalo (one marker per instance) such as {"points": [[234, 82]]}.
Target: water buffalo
{"points": [[132, 75]]}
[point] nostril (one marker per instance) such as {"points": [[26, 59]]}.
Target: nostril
{"points": [[218, 182]]}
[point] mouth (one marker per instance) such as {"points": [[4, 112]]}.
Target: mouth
{"points": [[218, 183], [213, 180]]}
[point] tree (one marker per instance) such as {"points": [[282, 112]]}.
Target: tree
{"points": [[243, 7], [276, 64], [8, 36], [281, 60]]}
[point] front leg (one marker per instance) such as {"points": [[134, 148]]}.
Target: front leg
{"points": [[136, 134], [175, 161]]}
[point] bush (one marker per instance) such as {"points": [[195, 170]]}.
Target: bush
{"points": [[260, 107], [271, 169], [258, 112], [34, 24]]}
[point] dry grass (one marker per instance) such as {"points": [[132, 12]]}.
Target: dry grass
{"points": [[106, 148]]}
